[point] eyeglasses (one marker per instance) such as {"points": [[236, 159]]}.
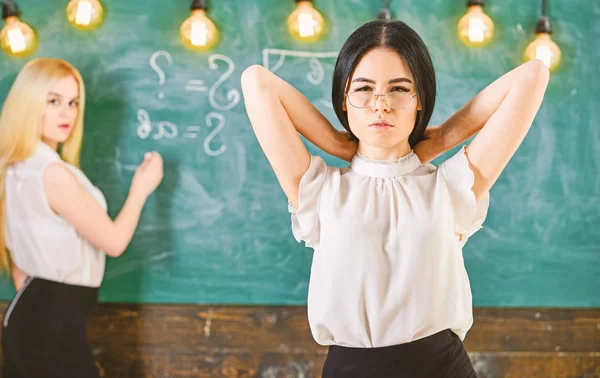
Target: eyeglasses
{"points": [[394, 100]]}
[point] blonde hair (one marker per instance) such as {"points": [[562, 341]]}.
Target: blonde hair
{"points": [[21, 125]]}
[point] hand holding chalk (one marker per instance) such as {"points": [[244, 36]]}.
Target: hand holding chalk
{"points": [[148, 175]]}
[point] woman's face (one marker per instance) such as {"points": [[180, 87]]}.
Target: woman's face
{"points": [[62, 108], [375, 121]]}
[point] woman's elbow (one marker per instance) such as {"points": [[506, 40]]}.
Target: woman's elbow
{"points": [[115, 249], [253, 79], [537, 74]]}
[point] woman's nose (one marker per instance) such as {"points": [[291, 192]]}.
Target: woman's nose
{"points": [[67, 111], [380, 103]]}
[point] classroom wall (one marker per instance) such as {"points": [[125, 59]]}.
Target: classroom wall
{"points": [[218, 229], [214, 284]]}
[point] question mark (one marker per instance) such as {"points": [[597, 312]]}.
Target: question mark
{"points": [[158, 70]]}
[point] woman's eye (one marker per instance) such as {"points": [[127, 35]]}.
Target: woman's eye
{"points": [[363, 89], [400, 89], [74, 104], [53, 101]]}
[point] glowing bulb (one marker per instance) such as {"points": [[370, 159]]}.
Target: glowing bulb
{"points": [[306, 23], [545, 49], [199, 35], [85, 14], [475, 28], [544, 54], [17, 38], [198, 32]]}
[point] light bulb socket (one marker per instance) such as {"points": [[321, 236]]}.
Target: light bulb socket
{"points": [[9, 9], [471, 3], [199, 5], [543, 25], [384, 14]]}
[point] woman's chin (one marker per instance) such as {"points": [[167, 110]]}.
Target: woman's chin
{"points": [[58, 139], [381, 140]]}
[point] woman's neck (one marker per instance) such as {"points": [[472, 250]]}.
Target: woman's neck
{"points": [[384, 153], [52, 144]]}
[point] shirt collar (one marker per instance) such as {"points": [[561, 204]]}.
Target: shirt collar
{"points": [[385, 168], [46, 151]]}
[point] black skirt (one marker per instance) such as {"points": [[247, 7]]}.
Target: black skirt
{"points": [[441, 355], [43, 331]]}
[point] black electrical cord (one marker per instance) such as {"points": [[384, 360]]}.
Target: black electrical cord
{"points": [[543, 25]]}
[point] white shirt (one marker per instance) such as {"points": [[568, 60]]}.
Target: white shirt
{"points": [[41, 243], [387, 266]]}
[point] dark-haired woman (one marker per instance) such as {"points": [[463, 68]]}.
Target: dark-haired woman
{"points": [[388, 289]]}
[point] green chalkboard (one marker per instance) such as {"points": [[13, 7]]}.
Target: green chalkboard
{"points": [[217, 230]]}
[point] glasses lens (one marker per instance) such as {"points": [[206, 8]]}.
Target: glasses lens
{"points": [[399, 100], [361, 99]]}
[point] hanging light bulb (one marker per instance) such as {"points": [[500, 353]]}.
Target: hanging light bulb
{"points": [[475, 28], [306, 23], [384, 13], [543, 47], [198, 32], [85, 14], [16, 38]]}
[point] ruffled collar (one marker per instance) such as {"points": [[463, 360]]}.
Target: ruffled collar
{"points": [[385, 168]]}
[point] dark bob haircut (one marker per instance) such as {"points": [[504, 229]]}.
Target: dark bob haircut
{"points": [[397, 36]]}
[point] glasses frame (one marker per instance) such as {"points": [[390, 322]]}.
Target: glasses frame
{"points": [[375, 95]]}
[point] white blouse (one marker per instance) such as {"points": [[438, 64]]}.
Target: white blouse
{"points": [[41, 243], [387, 266]]}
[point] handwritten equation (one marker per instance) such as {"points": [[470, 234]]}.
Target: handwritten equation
{"points": [[233, 95], [215, 121], [168, 130], [273, 59]]}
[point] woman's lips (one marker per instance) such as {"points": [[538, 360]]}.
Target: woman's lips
{"points": [[380, 126]]}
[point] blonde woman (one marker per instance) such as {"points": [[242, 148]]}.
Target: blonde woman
{"points": [[54, 228]]}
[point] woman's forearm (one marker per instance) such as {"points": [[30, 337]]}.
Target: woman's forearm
{"points": [[505, 129], [457, 129], [470, 118], [308, 121], [126, 223]]}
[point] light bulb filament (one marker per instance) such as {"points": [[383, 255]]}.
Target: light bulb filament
{"points": [[84, 13], [306, 25], [16, 40], [476, 30], [198, 32], [544, 53], [199, 35]]}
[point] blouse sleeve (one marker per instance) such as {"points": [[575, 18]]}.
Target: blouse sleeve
{"points": [[305, 218], [469, 215]]}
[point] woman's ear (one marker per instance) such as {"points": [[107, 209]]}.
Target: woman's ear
{"points": [[344, 105], [419, 107]]}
